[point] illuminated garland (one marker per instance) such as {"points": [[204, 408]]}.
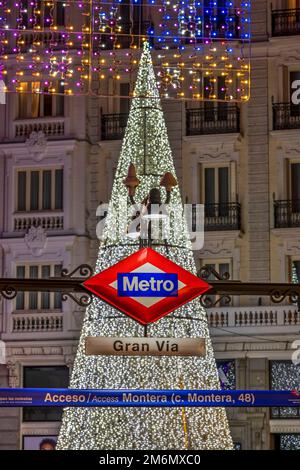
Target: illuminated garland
{"points": [[142, 428], [191, 39]]}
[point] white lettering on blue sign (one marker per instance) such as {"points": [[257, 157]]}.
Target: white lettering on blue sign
{"points": [[147, 285]]}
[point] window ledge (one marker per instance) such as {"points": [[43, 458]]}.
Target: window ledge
{"points": [[37, 311]]}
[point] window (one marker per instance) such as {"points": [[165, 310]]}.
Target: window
{"points": [[132, 22], [222, 267], [216, 185], [294, 278], [284, 375], [226, 371], [36, 100], [209, 114], [294, 186], [215, 190], [60, 13], [287, 4], [125, 102], [295, 272], [291, 208], [215, 89], [40, 190], [295, 181], [287, 441], [38, 300], [44, 377], [50, 14], [215, 14]]}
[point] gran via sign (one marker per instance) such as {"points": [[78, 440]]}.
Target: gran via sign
{"points": [[133, 346], [146, 286]]}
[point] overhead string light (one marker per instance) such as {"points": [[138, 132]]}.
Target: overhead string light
{"points": [[86, 42], [99, 44], [4, 12]]}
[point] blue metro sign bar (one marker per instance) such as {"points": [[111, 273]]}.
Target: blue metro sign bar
{"points": [[20, 397]]}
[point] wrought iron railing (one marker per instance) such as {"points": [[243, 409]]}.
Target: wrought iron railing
{"points": [[113, 126], [286, 116], [129, 34], [213, 118], [287, 213], [222, 216], [285, 22]]}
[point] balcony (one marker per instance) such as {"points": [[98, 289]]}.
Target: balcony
{"points": [[46, 220], [285, 22], [286, 116], [222, 216], [287, 213], [37, 323], [52, 126], [209, 119], [113, 126], [285, 318]]}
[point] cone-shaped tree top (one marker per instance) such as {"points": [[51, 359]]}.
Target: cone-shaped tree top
{"points": [[146, 146], [145, 86], [146, 141]]}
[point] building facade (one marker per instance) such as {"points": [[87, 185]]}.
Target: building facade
{"points": [[58, 156]]}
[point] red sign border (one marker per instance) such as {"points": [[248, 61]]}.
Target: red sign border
{"points": [[99, 285]]}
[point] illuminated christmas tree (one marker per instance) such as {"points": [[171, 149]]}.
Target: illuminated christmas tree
{"points": [[145, 146]]}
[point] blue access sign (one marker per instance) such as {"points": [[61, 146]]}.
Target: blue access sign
{"points": [[20, 397]]}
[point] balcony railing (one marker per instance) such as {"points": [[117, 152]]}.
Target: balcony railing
{"points": [[285, 22], [47, 220], [39, 323], [275, 317], [287, 213], [52, 126], [286, 116], [222, 216], [213, 119], [113, 126]]}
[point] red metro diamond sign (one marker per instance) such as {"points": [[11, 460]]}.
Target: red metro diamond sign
{"points": [[146, 286]]}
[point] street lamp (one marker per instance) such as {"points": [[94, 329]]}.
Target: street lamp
{"points": [[151, 208]]}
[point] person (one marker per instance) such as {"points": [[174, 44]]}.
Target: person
{"points": [[47, 444]]}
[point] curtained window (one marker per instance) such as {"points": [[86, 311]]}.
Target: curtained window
{"points": [[40, 190], [37, 102]]}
